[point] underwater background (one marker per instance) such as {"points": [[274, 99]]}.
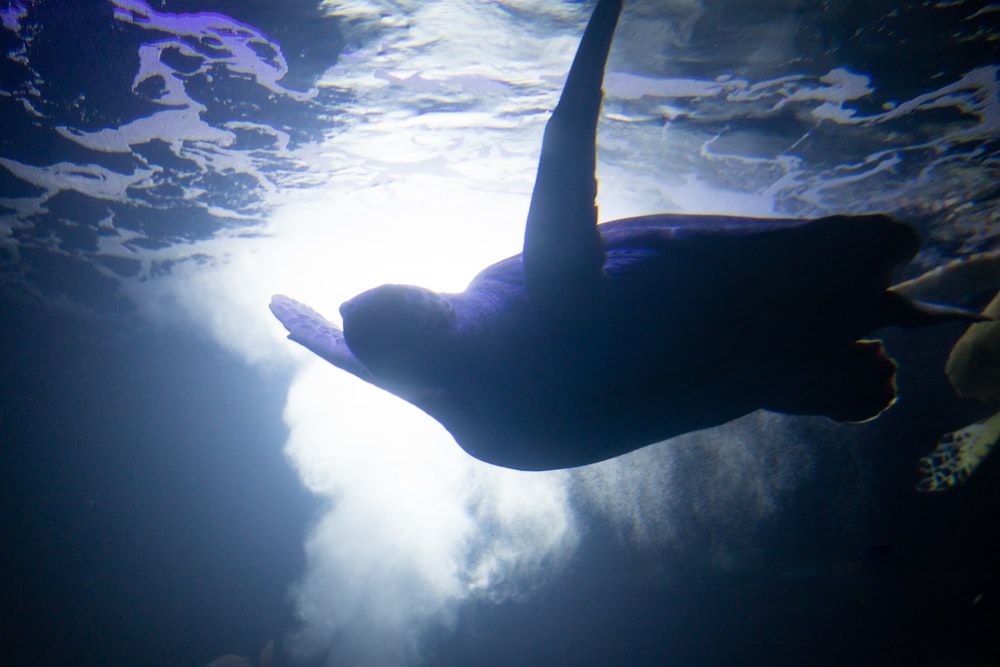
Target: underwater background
{"points": [[179, 482]]}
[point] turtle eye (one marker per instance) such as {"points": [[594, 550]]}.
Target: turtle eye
{"points": [[429, 310], [440, 317]]}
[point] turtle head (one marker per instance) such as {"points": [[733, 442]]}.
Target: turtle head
{"points": [[397, 331]]}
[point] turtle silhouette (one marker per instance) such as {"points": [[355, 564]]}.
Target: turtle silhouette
{"points": [[600, 339]]}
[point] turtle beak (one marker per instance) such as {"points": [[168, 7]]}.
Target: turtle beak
{"points": [[364, 314], [346, 309], [350, 315]]}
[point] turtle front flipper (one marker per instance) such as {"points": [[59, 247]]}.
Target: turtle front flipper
{"points": [[561, 243], [958, 454], [315, 333]]}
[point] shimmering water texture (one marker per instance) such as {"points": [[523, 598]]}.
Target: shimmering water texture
{"points": [[206, 133], [202, 134]]}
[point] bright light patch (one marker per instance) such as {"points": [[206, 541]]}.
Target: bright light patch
{"points": [[414, 525]]}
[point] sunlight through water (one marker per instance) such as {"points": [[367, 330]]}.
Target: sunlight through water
{"points": [[420, 172]]}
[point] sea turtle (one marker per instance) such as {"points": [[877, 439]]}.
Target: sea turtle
{"points": [[601, 339], [973, 368]]}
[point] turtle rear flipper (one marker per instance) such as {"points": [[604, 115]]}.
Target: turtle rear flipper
{"points": [[958, 454], [854, 386], [903, 311]]}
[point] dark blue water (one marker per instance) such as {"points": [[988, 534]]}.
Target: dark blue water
{"points": [[164, 167]]}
